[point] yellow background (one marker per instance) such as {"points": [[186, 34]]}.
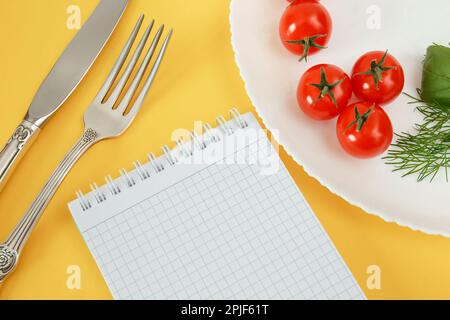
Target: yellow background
{"points": [[198, 81]]}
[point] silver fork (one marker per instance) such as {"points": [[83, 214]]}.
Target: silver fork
{"points": [[102, 120]]}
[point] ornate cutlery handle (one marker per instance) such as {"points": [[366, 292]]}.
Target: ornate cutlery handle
{"points": [[15, 148], [11, 248]]}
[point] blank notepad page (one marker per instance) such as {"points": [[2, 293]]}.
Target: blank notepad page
{"points": [[236, 228]]}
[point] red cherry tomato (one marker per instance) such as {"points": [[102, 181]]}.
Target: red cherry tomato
{"points": [[324, 91], [305, 28], [377, 77], [364, 130], [296, 1]]}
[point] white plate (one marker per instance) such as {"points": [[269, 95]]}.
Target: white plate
{"points": [[271, 75]]}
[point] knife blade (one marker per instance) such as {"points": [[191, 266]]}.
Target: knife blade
{"points": [[64, 77]]}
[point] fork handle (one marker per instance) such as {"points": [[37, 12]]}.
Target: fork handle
{"points": [[12, 247], [15, 148]]}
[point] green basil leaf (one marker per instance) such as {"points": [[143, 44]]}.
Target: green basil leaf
{"points": [[436, 75]]}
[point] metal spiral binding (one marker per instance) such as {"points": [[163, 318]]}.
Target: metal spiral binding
{"points": [[112, 186], [128, 179], [169, 155], [222, 123], [155, 163], [209, 132], [210, 135], [84, 202], [184, 150], [199, 142], [235, 114], [98, 195], [142, 172]]}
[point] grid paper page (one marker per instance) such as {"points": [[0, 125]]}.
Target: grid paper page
{"points": [[225, 231]]}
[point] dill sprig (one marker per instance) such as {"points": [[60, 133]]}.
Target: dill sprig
{"points": [[426, 152]]}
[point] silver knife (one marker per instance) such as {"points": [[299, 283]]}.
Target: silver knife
{"points": [[66, 74]]}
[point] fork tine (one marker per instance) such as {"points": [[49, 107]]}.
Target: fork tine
{"points": [[149, 81], [129, 69], [120, 61], [137, 79]]}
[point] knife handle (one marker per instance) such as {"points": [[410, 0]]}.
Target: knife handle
{"points": [[15, 148]]}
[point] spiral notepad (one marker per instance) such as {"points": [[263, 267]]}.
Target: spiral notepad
{"points": [[216, 217]]}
